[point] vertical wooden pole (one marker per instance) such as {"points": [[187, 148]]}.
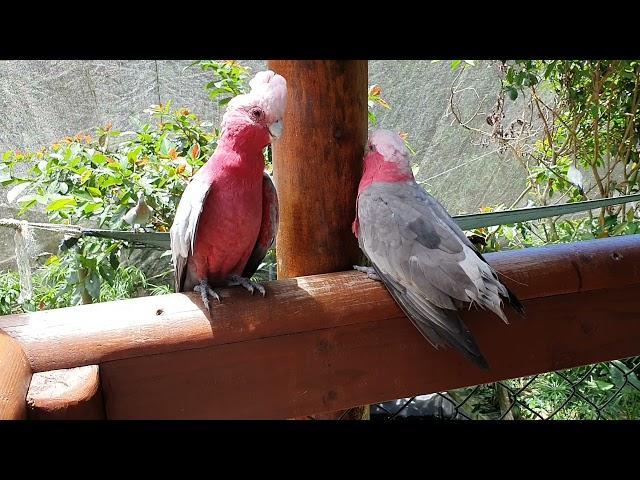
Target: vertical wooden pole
{"points": [[317, 166], [15, 377]]}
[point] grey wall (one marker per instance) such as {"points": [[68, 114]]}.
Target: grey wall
{"points": [[43, 101]]}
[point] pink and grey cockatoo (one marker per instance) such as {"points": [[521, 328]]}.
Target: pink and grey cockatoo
{"points": [[418, 251], [227, 217]]}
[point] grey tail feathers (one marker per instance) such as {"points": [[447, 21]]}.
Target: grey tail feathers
{"points": [[515, 303], [512, 300], [463, 343]]}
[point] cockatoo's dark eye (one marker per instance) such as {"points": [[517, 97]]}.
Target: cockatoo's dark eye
{"points": [[256, 113]]}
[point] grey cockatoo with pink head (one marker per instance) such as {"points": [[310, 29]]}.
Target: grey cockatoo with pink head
{"points": [[418, 251]]}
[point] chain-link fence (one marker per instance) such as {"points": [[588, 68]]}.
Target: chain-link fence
{"points": [[604, 391]]}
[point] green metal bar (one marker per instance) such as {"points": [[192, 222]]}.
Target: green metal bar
{"points": [[466, 222]]}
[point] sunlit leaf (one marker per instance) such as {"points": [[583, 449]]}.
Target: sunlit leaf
{"points": [[60, 203], [15, 191]]}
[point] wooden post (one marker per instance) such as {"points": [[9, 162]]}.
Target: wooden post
{"points": [[15, 376], [71, 394], [317, 164], [317, 168]]}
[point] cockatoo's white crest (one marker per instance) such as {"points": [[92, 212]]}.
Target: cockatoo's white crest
{"points": [[268, 92], [389, 145]]}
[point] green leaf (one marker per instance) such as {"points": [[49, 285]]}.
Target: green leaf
{"points": [[7, 155], [604, 386], [27, 198], [5, 174], [165, 145], [16, 191], [513, 93], [60, 203], [549, 69], [85, 176], [94, 191], [618, 229], [99, 159], [113, 260], [30, 204], [509, 77], [107, 272], [91, 208], [76, 298], [455, 64]]}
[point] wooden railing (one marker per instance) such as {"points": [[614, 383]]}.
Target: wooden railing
{"points": [[323, 342], [319, 343]]}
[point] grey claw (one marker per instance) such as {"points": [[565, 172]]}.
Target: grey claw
{"points": [[247, 284], [362, 269], [205, 292], [370, 271]]}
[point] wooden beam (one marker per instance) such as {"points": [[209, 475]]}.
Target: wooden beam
{"points": [[73, 394], [334, 341], [336, 368], [15, 376], [91, 334], [317, 167]]}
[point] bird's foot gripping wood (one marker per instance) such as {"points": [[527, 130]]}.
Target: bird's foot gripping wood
{"points": [[370, 271], [246, 283], [205, 292]]}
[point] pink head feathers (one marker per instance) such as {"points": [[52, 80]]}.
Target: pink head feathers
{"points": [[264, 104], [389, 145]]}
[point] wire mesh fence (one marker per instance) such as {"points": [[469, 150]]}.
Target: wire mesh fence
{"points": [[603, 391]]}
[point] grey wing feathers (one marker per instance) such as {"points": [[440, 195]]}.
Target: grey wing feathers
{"points": [[403, 227], [268, 228], [441, 327], [185, 226], [427, 263], [513, 301]]}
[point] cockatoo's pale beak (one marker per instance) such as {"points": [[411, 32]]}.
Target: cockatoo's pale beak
{"points": [[275, 129]]}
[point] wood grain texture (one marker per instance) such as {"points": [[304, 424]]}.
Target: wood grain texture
{"points": [[317, 164], [570, 267], [92, 334], [15, 376], [348, 365], [72, 394], [317, 167]]}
